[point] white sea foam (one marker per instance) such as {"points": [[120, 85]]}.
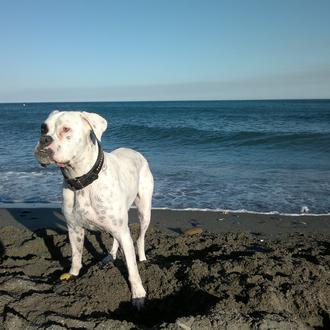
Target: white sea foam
{"points": [[240, 211], [57, 204]]}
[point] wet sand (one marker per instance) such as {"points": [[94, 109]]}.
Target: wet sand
{"points": [[176, 221], [243, 271]]}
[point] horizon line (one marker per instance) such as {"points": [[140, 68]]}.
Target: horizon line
{"points": [[183, 100]]}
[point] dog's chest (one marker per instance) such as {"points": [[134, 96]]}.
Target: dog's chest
{"points": [[89, 213]]}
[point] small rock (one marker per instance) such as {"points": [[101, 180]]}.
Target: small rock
{"points": [[193, 231]]}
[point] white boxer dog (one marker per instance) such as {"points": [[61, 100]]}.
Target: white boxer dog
{"points": [[98, 187]]}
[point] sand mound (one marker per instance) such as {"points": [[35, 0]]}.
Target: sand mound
{"points": [[200, 282]]}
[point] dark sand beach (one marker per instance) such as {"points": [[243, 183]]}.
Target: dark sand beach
{"points": [[242, 271]]}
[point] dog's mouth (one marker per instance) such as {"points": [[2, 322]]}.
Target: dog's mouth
{"points": [[56, 162], [61, 165], [45, 157]]}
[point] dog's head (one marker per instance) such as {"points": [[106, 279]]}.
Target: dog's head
{"points": [[66, 134]]}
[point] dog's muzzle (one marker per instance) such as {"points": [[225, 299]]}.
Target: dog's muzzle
{"points": [[42, 153]]}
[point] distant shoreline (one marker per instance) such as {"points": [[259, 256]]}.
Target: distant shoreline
{"points": [[167, 101]]}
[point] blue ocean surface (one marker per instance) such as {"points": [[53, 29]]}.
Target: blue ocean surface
{"points": [[259, 156]]}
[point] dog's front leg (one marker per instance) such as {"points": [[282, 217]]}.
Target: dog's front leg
{"points": [[76, 237]]}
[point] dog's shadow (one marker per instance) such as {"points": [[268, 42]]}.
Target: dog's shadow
{"points": [[186, 302], [55, 250]]}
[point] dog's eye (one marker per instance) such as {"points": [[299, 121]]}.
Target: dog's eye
{"points": [[66, 129]]}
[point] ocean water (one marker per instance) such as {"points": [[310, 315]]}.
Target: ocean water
{"points": [[264, 156]]}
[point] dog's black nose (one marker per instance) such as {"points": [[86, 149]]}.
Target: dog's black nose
{"points": [[46, 140]]}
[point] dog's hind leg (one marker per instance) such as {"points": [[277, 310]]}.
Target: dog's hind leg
{"points": [[114, 249], [143, 204], [113, 253]]}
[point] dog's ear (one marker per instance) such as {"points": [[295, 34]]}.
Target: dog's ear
{"points": [[53, 113], [97, 123]]}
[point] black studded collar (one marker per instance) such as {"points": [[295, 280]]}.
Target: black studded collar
{"points": [[86, 179]]}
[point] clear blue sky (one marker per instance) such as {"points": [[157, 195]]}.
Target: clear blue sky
{"points": [[80, 50]]}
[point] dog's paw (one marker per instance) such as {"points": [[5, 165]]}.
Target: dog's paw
{"points": [[138, 303], [108, 259], [67, 277]]}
